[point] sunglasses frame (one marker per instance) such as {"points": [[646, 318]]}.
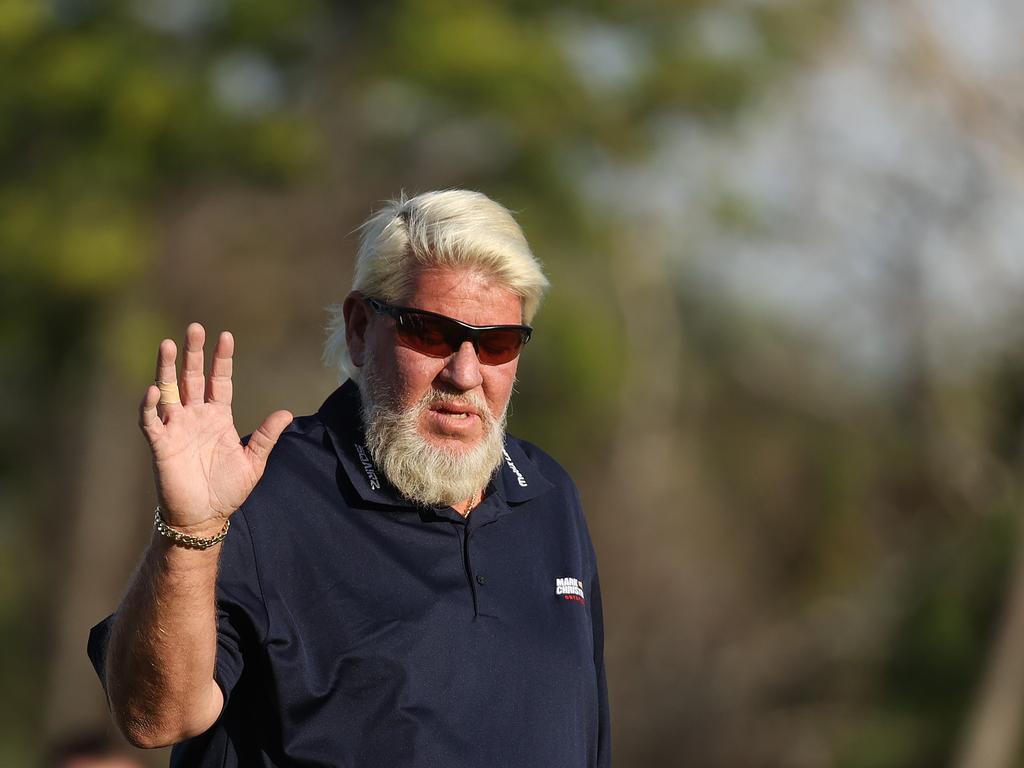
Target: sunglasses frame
{"points": [[470, 333]]}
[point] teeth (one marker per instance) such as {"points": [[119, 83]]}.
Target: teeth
{"points": [[454, 414]]}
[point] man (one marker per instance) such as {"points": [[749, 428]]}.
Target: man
{"points": [[405, 585]]}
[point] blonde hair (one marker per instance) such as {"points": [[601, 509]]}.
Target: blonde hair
{"points": [[453, 228]]}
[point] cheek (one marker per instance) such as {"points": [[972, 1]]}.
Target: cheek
{"points": [[414, 373], [498, 383]]}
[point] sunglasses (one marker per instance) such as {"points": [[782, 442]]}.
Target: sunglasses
{"points": [[439, 336]]}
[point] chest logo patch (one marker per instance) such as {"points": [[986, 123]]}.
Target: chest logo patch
{"points": [[569, 588]]}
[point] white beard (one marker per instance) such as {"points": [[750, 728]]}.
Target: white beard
{"points": [[424, 473]]}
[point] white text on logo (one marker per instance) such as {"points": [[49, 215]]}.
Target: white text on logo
{"points": [[371, 473], [515, 470], [569, 588]]}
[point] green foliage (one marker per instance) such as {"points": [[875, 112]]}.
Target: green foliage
{"points": [[106, 114], [935, 659], [566, 370], [117, 110], [518, 64], [103, 113]]}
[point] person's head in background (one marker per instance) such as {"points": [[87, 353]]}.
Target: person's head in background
{"points": [[90, 749]]}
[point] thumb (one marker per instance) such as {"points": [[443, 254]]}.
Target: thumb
{"points": [[265, 436]]}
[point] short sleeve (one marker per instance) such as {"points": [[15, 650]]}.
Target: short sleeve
{"points": [[241, 612], [241, 616], [97, 648]]}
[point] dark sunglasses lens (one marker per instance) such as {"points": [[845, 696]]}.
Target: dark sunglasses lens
{"points": [[429, 335], [439, 337], [497, 347]]}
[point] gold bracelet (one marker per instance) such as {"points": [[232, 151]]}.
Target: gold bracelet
{"points": [[186, 540]]}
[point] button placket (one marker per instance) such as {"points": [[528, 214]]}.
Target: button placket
{"points": [[481, 580], [467, 564]]}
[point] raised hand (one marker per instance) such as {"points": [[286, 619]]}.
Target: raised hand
{"points": [[203, 473]]}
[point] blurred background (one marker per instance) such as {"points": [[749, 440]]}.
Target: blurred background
{"points": [[782, 356]]}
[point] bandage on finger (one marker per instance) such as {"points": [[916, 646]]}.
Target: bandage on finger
{"points": [[168, 392]]}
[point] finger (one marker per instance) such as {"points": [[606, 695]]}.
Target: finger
{"points": [[193, 383], [165, 373], [263, 440], [149, 420], [218, 386]]}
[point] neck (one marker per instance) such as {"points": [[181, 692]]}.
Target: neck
{"points": [[467, 506]]}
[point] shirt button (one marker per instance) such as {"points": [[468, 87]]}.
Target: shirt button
{"points": [[481, 579]]}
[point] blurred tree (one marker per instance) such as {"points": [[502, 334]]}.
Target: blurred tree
{"points": [[105, 108], [802, 567]]}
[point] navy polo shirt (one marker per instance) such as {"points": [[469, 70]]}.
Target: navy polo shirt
{"points": [[357, 629]]}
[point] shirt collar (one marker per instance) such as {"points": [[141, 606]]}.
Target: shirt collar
{"points": [[520, 477], [341, 418], [516, 480]]}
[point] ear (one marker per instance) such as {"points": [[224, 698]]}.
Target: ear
{"points": [[356, 318]]}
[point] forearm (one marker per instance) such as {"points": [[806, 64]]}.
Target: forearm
{"points": [[163, 646]]}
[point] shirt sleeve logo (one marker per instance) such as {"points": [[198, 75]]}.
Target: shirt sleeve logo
{"points": [[569, 588]]}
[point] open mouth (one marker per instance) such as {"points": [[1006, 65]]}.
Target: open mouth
{"points": [[454, 411]]}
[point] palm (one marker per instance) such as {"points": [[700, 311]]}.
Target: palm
{"points": [[200, 464], [203, 473]]}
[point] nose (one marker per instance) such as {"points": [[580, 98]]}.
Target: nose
{"points": [[462, 369]]}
